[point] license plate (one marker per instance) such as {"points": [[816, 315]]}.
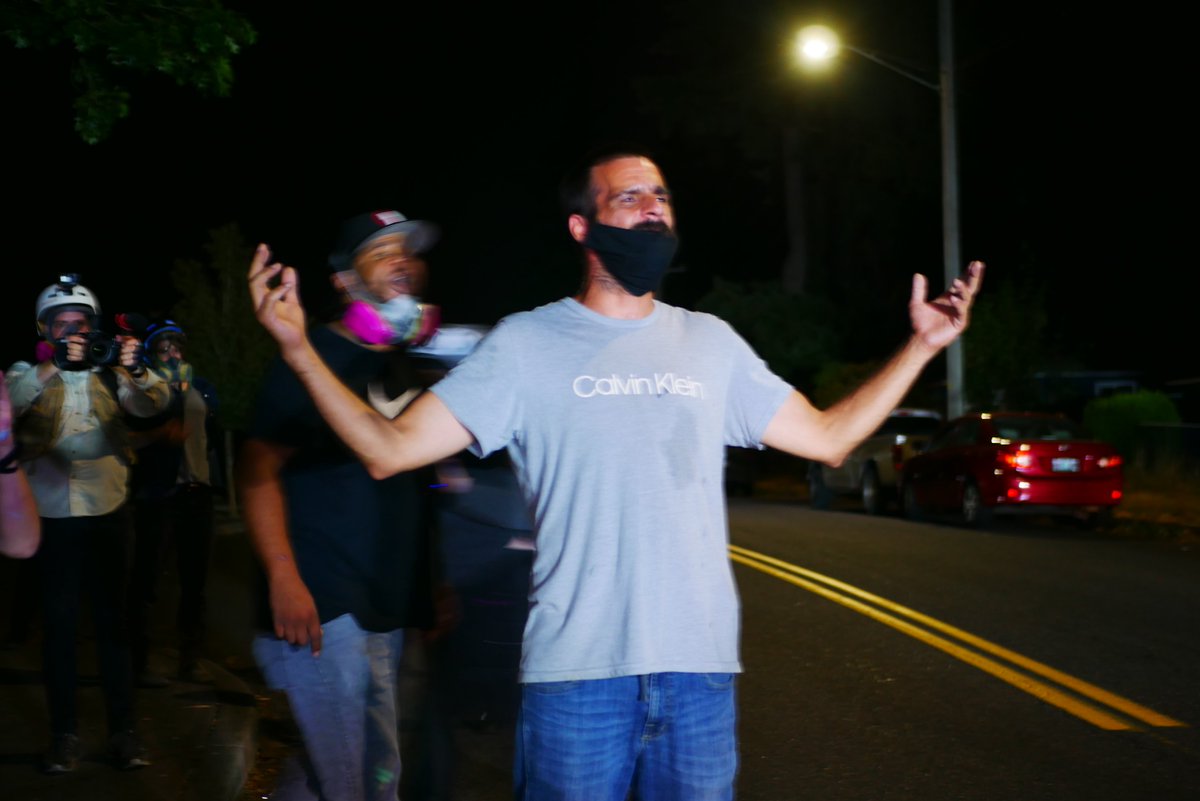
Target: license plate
{"points": [[1064, 465]]}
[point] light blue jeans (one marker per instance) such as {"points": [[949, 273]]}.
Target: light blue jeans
{"points": [[344, 703], [658, 737]]}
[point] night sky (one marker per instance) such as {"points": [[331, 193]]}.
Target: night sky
{"points": [[1071, 125]]}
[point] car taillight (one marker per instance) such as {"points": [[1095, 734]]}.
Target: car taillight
{"points": [[1109, 461], [1020, 459], [897, 457]]}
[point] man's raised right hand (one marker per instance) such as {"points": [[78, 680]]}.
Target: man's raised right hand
{"points": [[277, 307]]}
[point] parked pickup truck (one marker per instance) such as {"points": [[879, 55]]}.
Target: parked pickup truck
{"points": [[871, 470]]}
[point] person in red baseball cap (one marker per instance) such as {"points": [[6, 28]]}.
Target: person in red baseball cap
{"points": [[346, 560]]}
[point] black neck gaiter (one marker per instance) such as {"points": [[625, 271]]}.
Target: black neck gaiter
{"points": [[637, 257]]}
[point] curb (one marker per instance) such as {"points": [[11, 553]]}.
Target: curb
{"points": [[224, 754]]}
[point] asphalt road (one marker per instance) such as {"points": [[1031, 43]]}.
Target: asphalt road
{"points": [[892, 660], [887, 659]]}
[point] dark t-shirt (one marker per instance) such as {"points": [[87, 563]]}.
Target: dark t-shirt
{"points": [[362, 546]]}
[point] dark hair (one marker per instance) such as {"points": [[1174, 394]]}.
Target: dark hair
{"points": [[576, 193]]}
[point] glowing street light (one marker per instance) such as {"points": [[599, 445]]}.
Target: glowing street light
{"points": [[818, 45]]}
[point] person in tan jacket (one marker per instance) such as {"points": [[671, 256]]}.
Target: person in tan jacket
{"points": [[69, 411]]}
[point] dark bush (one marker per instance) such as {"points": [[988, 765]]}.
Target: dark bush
{"points": [[1120, 418]]}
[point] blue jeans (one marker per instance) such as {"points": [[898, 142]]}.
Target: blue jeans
{"points": [[661, 737], [344, 703]]}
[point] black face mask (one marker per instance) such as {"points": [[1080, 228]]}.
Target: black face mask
{"points": [[637, 257]]}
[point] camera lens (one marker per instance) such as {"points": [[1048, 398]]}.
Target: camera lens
{"points": [[103, 350]]}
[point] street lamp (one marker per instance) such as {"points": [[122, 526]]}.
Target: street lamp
{"points": [[817, 44]]}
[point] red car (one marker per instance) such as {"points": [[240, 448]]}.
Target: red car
{"points": [[1013, 462]]}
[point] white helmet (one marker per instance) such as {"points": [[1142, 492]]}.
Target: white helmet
{"points": [[67, 292]]}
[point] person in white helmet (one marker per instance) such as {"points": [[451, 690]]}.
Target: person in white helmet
{"points": [[69, 411]]}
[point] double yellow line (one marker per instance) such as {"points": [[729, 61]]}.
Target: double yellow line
{"points": [[1087, 701]]}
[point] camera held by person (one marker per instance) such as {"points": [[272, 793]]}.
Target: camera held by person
{"points": [[100, 350], [68, 316]]}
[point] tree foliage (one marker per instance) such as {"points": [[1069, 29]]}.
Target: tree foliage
{"points": [[794, 334], [225, 341], [1121, 419], [836, 380], [111, 41], [1005, 345]]}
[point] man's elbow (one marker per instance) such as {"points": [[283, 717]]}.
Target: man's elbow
{"points": [[379, 470]]}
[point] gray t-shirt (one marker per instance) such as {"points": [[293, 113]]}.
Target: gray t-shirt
{"points": [[617, 432]]}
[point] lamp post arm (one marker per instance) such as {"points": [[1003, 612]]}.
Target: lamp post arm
{"points": [[818, 43], [867, 54], [955, 393]]}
